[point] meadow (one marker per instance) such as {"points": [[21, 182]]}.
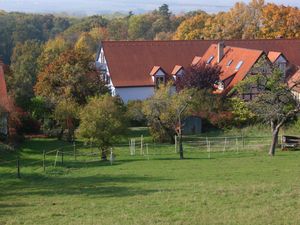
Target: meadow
{"points": [[244, 187]]}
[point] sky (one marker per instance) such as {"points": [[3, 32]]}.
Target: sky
{"points": [[89, 7]]}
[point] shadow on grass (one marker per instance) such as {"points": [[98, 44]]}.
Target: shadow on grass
{"points": [[96, 185]]}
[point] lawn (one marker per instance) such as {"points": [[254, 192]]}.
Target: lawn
{"points": [[245, 187]]}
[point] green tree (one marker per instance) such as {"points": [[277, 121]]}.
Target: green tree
{"points": [[24, 68], [66, 112], [162, 111], [102, 121], [274, 104]]}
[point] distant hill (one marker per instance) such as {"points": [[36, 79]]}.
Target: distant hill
{"points": [[89, 7]]}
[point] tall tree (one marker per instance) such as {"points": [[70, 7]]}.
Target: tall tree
{"points": [[280, 21], [25, 68], [70, 76]]}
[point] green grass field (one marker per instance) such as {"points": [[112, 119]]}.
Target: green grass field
{"points": [[245, 187]]}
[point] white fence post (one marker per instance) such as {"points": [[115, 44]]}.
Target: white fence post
{"points": [[142, 143], [175, 143]]}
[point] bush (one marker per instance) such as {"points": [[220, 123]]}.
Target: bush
{"points": [[135, 113]]}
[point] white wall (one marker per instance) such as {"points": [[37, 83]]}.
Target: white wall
{"points": [[134, 93]]}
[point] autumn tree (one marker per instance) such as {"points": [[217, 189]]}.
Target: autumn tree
{"points": [[274, 104], [200, 76], [192, 28], [51, 51], [70, 76], [280, 21], [102, 121]]}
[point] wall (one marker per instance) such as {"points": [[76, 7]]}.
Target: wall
{"points": [[134, 93]]}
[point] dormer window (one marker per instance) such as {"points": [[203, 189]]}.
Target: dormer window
{"points": [[238, 66], [210, 59], [177, 72], [158, 76], [229, 62]]}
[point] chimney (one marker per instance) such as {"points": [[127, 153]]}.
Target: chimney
{"points": [[221, 46]]}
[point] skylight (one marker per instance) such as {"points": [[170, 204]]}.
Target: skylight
{"points": [[238, 66], [210, 59], [229, 62]]}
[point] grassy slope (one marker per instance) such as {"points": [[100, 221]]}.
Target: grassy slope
{"points": [[230, 188]]}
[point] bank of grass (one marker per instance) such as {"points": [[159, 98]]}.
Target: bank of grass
{"points": [[229, 188]]}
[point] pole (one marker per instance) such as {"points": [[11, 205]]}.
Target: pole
{"points": [[62, 157], [74, 150], [142, 153], [44, 159], [237, 146], [225, 142], [18, 168], [147, 151], [209, 149], [175, 137]]}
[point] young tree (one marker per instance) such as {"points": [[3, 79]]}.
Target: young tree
{"points": [[102, 120], [165, 112], [66, 112], [274, 104]]}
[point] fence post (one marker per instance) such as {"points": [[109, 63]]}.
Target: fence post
{"points": [[237, 146], [56, 158], [225, 142], [44, 159], [18, 168], [208, 149], [243, 139], [62, 157], [74, 150], [147, 151], [175, 143], [142, 152]]}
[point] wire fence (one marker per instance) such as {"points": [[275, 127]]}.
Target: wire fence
{"points": [[77, 154]]}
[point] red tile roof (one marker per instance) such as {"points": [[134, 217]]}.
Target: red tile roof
{"points": [[4, 100], [295, 80], [196, 60], [273, 56], [154, 70], [130, 62], [176, 69], [233, 57]]}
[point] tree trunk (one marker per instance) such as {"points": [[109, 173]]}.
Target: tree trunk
{"points": [[61, 133], [103, 155], [274, 141]]}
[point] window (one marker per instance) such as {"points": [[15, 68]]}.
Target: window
{"points": [[229, 62], [238, 66], [159, 80], [210, 59]]}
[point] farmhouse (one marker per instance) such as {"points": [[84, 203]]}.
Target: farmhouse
{"points": [[4, 103], [133, 69]]}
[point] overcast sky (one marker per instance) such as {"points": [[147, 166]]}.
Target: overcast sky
{"points": [[100, 6]]}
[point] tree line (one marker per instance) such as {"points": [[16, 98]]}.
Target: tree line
{"points": [[243, 21]]}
